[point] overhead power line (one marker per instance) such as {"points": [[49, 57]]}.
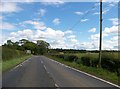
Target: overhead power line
{"points": [[87, 13]]}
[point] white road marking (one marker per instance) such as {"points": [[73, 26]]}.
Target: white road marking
{"points": [[45, 67], [21, 64], [42, 62], [57, 86], [87, 74]]}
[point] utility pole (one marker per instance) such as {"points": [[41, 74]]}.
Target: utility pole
{"points": [[100, 45]]}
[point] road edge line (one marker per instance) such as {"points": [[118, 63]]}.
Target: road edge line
{"points": [[19, 64], [115, 85]]}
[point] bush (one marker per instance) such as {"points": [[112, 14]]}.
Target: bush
{"points": [[70, 58], [110, 61], [90, 60]]}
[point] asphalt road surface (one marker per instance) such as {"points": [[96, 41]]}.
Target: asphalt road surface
{"points": [[40, 71]]}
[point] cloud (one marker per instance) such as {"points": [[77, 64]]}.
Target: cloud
{"points": [[107, 9], [1, 17], [79, 13], [41, 12], [36, 24], [92, 30], [71, 36], [55, 37], [83, 20], [9, 7], [107, 44], [52, 2], [7, 26], [114, 21], [110, 0], [111, 30], [106, 32], [88, 45], [56, 21], [73, 40], [68, 32], [103, 12]]}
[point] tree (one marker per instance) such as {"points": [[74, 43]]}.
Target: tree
{"points": [[9, 42], [23, 41], [43, 46], [30, 46]]}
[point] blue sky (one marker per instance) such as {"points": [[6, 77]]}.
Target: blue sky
{"points": [[54, 23]]}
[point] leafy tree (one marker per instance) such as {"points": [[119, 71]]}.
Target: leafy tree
{"points": [[40, 48], [43, 46], [9, 42], [23, 41]]}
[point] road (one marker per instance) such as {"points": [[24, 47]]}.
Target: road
{"points": [[40, 71]]}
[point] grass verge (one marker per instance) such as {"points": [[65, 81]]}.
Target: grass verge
{"points": [[99, 72], [7, 65]]}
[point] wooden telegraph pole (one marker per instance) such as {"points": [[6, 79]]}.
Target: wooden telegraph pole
{"points": [[100, 45]]}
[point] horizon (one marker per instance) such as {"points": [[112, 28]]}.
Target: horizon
{"points": [[55, 23]]}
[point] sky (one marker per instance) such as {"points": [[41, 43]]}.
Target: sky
{"points": [[67, 25]]}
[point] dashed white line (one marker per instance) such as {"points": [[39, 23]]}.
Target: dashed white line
{"points": [[57, 86], [42, 62], [87, 74], [45, 67]]}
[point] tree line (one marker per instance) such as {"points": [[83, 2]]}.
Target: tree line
{"points": [[40, 47]]}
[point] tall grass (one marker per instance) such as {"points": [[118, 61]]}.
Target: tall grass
{"points": [[8, 64], [8, 54], [11, 58]]}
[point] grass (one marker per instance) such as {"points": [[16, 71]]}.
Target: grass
{"points": [[7, 65], [99, 72]]}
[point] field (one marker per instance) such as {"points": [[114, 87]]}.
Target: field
{"points": [[89, 61]]}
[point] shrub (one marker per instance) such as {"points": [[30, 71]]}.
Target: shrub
{"points": [[85, 60], [110, 61], [70, 58], [90, 60]]}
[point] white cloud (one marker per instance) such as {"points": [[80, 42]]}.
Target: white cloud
{"points": [[114, 21], [111, 30], [92, 30], [73, 40], [71, 36], [1, 17], [9, 7], [7, 26], [79, 13], [84, 20], [110, 0], [88, 45], [95, 37], [42, 12], [107, 44], [56, 21], [114, 38], [52, 2], [106, 32], [68, 32], [104, 12], [36, 24], [55, 37]]}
